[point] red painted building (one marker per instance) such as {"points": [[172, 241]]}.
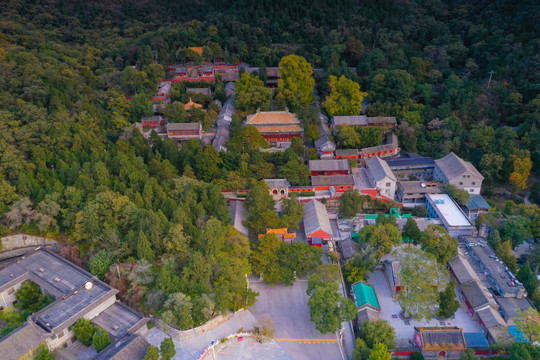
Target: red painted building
{"points": [[316, 223], [153, 120], [347, 154], [275, 126]]}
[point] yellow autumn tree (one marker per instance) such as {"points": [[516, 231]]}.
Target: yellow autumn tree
{"points": [[522, 170], [345, 97]]}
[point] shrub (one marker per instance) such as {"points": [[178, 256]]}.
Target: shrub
{"points": [[44, 354], [306, 193], [167, 349], [84, 331], [29, 297], [152, 353], [417, 356], [101, 340]]}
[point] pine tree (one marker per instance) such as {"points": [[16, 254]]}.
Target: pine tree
{"points": [[448, 304], [144, 248]]}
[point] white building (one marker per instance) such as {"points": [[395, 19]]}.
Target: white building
{"points": [[382, 177], [452, 169]]}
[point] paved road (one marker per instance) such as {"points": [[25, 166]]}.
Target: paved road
{"points": [[287, 307]]}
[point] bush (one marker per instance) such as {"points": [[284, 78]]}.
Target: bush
{"points": [[417, 356], [44, 354], [152, 353], [29, 297], [101, 340], [306, 193], [167, 349], [419, 211], [84, 331]]}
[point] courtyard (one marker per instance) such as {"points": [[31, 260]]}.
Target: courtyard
{"points": [[286, 307], [390, 310]]}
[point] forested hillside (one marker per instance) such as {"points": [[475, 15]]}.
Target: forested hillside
{"points": [[71, 164]]}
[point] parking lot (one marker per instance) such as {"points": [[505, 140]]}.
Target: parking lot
{"points": [[287, 307]]}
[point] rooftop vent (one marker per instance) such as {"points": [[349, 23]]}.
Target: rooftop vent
{"points": [[88, 285], [41, 269], [115, 327], [57, 279], [11, 275], [24, 257]]}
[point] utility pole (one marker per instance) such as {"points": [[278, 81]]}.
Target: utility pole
{"points": [[490, 75]]}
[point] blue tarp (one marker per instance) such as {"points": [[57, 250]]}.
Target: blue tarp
{"points": [[517, 334], [475, 340], [316, 241]]}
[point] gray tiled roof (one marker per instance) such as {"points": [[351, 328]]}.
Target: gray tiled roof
{"points": [[277, 183], [379, 169], [183, 126], [360, 120], [346, 152], [450, 338], [462, 269], [453, 166], [316, 218], [18, 342], [332, 180], [328, 165], [477, 294]]}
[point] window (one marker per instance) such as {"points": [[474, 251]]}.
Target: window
{"points": [[471, 190], [468, 176], [11, 291], [387, 184], [473, 183], [61, 333], [464, 176], [461, 183]]}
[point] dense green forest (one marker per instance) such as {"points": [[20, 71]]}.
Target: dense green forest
{"points": [[460, 76]]}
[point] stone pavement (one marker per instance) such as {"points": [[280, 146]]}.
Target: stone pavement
{"points": [[191, 349], [390, 310], [250, 349]]}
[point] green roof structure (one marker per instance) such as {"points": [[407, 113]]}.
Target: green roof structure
{"points": [[365, 294]]}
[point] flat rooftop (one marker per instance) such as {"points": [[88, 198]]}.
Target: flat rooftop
{"points": [[56, 275], [494, 265], [117, 319], [63, 310], [448, 210]]}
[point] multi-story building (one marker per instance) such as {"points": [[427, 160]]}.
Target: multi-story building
{"points": [[451, 169], [413, 193], [77, 294], [441, 206], [382, 177]]}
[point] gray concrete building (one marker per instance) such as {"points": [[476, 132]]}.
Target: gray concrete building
{"points": [[452, 169], [78, 294]]}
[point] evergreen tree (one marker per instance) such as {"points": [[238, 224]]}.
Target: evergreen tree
{"points": [[167, 349], [448, 305], [144, 248]]}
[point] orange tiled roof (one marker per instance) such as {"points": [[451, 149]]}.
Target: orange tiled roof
{"points": [[198, 50], [282, 231], [263, 129], [272, 118], [192, 104]]}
